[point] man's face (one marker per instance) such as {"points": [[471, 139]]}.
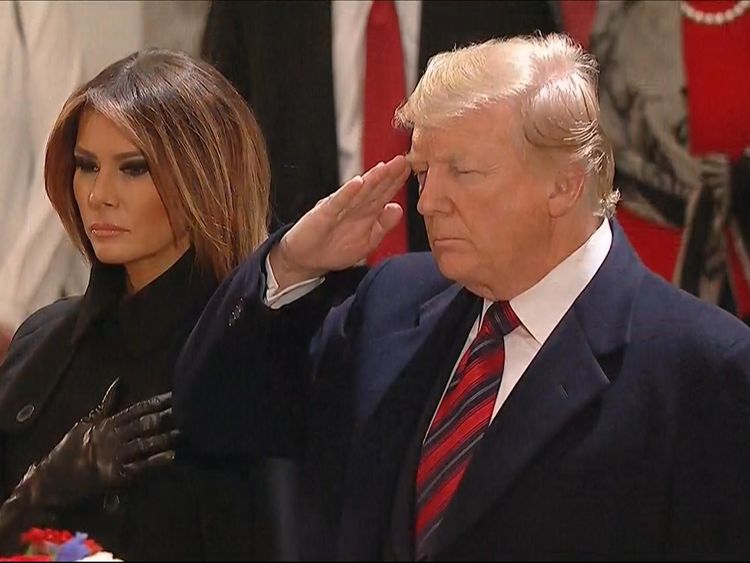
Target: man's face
{"points": [[485, 204]]}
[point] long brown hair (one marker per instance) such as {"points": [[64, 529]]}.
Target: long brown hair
{"points": [[203, 146]]}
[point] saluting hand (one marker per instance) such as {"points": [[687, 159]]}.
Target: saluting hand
{"points": [[343, 228]]}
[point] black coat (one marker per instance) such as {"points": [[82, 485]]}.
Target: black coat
{"points": [[60, 363], [278, 55]]}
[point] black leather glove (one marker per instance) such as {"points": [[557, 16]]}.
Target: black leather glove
{"points": [[100, 452]]}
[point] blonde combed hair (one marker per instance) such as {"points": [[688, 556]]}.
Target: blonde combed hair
{"points": [[553, 83], [203, 146]]}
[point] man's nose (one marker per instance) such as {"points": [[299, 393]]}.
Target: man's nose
{"points": [[432, 196]]}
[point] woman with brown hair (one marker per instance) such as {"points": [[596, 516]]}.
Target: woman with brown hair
{"points": [[158, 171]]}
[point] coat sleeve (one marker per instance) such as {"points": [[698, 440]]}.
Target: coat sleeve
{"points": [[243, 378]]}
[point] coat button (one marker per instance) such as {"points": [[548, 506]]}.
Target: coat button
{"points": [[111, 502], [26, 412]]}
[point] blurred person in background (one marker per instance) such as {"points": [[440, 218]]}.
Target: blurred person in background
{"points": [[325, 78], [674, 92], [41, 62]]}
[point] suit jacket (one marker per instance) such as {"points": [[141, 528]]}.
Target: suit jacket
{"points": [[278, 55], [627, 437]]}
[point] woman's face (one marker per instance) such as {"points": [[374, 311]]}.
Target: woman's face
{"points": [[122, 212]]}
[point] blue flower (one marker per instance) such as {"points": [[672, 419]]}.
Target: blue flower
{"points": [[74, 549]]}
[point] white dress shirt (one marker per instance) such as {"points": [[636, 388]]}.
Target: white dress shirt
{"points": [[349, 30], [540, 308]]}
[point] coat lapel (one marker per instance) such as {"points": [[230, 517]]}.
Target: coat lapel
{"points": [[385, 426], [562, 379], [396, 350], [570, 371]]}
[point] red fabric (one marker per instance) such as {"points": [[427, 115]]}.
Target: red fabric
{"points": [[657, 246], [717, 59], [461, 419], [385, 90], [577, 19]]}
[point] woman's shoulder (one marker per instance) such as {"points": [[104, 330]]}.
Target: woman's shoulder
{"points": [[29, 370], [42, 325], [47, 316]]}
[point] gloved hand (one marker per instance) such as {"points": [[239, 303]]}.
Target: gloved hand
{"points": [[100, 452]]}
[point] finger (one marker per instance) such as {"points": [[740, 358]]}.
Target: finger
{"points": [[162, 459], [379, 178], [372, 177], [110, 397], [147, 425], [397, 182], [385, 192], [341, 200], [387, 220], [106, 406], [142, 448], [133, 412]]}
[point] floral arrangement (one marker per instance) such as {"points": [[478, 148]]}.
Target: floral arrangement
{"points": [[59, 545]]}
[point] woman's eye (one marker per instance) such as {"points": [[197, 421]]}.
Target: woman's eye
{"points": [[135, 169], [86, 166]]}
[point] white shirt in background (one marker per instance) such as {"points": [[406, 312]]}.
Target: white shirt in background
{"points": [[349, 30]]}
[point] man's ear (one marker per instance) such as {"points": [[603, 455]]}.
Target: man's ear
{"points": [[567, 188]]}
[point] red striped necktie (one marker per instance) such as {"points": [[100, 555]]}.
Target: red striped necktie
{"points": [[461, 420]]}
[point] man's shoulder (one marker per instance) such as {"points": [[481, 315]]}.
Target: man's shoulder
{"points": [[415, 274], [698, 328]]}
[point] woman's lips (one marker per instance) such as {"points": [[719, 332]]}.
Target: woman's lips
{"points": [[106, 230]]}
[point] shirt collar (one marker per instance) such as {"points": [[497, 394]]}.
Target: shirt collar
{"points": [[541, 307]]}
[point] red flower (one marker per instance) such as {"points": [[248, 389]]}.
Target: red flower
{"points": [[43, 544], [93, 546], [36, 536]]}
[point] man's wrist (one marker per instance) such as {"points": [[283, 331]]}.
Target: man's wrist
{"points": [[285, 271]]}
